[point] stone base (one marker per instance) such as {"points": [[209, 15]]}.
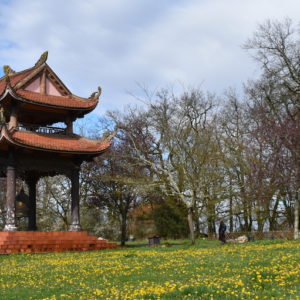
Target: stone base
{"points": [[75, 227], [54, 241], [9, 227]]}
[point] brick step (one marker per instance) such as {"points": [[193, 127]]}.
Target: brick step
{"points": [[45, 240], [55, 241]]}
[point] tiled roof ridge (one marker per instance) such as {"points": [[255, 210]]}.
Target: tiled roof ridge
{"points": [[70, 96], [75, 97], [72, 136], [17, 73], [64, 136], [6, 68], [57, 101], [11, 79], [56, 135]]}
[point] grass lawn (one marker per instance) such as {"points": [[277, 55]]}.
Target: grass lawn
{"points": [[208, 270]]}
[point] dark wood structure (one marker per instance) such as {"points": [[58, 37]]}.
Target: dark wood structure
{"points": [[31, 101]]}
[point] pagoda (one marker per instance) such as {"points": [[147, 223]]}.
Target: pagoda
{"points": [[31, 103]]}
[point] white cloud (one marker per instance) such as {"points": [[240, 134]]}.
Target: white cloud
{"points": [[120, 42]]}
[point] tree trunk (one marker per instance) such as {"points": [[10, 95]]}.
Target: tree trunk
{"points": [[197, 226], [260, 219], [245, 215], [230, 215], [273, 214], [191, 225], [230, 206], [195, 215], [123, 230], [296, 218], [211, 215], [289, 213]]}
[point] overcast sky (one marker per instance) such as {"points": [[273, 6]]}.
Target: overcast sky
{"points": [[119, 43]]}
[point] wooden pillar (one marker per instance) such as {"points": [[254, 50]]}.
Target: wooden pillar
{"points": [[13, 120], [75, 216], [69, 123], [296, 215], [31, 182], [10, 216]]}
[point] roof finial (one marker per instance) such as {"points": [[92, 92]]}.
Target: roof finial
{"points": [[96, 95], [8, 70], [42, 59]]}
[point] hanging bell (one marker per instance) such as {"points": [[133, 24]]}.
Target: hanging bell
{"points": [[22, 200]]}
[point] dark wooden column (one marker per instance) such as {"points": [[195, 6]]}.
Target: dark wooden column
{"points": [[13, 120], [75, 217], [10, 216], [69, 123], [31, 182]]}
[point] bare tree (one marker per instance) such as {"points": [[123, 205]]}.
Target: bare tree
{"points": [[276, 47], [173, 139], [113, 184], [54, 202]]}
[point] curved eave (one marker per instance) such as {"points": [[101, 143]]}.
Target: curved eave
{"points": [[9, 91], [8, 137]]}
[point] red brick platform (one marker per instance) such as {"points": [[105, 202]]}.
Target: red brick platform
{"points": [[54, 241]]}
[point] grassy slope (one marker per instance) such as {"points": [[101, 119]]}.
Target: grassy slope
{"points": [[205, 271]]}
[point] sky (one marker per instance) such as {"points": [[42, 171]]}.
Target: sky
{"points": [[122, 45]]}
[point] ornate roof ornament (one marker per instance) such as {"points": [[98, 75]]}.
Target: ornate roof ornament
{"points": [[42, 59], [8, 70], [96, 95], [7, 79]]}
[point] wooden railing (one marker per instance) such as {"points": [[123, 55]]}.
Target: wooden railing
{"points": [[42, 129]]}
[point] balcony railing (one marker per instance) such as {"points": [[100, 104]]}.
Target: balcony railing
{"points": [[41, 129]]}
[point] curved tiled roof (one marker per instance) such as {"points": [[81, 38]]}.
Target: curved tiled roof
{"points": [[70, 101], [60, 143]]}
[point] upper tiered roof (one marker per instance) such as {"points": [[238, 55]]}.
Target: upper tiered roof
{"points": [[40, 86], [35, 98]]}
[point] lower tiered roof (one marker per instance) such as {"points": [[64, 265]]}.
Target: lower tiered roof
{"points": [[53, 142]]}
